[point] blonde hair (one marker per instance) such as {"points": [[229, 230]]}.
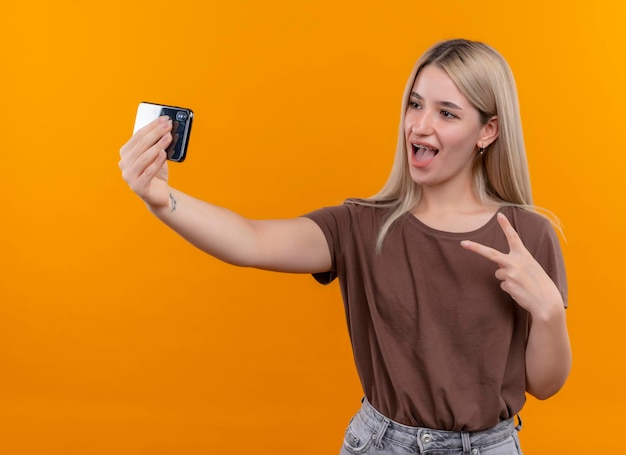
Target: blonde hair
{"points": [[483, 76]]}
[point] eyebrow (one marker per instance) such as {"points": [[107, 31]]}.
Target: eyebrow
{"points": [[448, 104]]}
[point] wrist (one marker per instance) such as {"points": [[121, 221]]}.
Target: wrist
{"points": [[165, 206], [552, 312]]}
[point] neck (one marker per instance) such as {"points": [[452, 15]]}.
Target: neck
{"points": [[452, 210], [453, 197]]}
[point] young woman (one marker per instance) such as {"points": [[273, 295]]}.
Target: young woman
{"points": [[454, 287]]}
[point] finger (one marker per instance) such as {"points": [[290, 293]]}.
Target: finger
{"points": [[133, 164], [151, 170], [484, 251], [146, 137], [501, 274], [512, 237], [144, 160], [162, 121], [141, 183], [153, 132], [132, 171], [143, 140]]}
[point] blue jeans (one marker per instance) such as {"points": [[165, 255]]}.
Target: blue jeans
{"points": [[372, 433]]}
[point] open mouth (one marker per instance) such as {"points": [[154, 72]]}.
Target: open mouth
{"points": [[423, 153]]}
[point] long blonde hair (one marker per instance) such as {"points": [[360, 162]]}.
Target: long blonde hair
{"points": [[500, 173]]}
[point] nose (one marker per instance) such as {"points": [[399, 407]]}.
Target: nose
{"points": [[421, 123]]}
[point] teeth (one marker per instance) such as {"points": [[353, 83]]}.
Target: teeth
{"points": [[420, 146]]}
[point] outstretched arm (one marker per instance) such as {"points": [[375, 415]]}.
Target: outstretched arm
{"points": [[290, 245], [548, 352]]}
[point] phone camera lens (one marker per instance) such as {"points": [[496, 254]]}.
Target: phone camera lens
{"points": [[181, 116]]}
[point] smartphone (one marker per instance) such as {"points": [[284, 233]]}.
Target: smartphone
{"points": [[181, 126]]}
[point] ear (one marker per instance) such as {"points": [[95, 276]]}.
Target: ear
{"points": [[489, 132]]}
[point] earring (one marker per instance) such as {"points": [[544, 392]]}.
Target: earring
{"points": [[481, 150]]}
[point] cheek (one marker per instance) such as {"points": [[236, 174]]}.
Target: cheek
{"points": [[462, 140], [408, 123]]}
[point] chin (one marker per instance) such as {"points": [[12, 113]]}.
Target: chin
{"points": [[418, 176]]}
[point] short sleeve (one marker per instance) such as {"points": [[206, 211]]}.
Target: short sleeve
{"points": [[332, 221], [553, 263]]}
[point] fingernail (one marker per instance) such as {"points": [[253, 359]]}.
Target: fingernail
{"points": [[465, 243], [164, 119]]}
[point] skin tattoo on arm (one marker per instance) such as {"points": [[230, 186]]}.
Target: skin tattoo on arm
{"points": [[173, 209]]}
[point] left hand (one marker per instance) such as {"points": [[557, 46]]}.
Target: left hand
{"points": [[521, 276]]}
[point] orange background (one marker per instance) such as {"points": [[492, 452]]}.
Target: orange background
{"points": [[118, 337]]}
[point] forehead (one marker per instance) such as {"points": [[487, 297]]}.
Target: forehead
{"points": [[433, 84]]}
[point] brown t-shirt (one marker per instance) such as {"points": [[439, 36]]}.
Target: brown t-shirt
{"points": [[436, 341]]}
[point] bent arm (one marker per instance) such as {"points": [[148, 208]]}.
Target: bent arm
{"points": [[548, 352], [289, 245]]}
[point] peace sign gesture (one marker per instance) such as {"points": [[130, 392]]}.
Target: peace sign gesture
{"points": [[521, 276]]}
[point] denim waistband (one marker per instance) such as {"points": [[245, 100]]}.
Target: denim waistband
{"points": [[426, 439]]}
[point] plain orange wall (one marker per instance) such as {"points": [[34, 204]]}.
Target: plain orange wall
{"points": [[118, 337]]}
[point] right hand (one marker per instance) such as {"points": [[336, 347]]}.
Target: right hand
{"points": [[143, 162]]}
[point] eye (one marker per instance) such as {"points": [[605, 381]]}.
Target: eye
{"points": [[414, 105], [448, 114]]}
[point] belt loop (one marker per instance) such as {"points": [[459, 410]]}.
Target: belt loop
{"points": [[519, 425], [465, 440], [378, 437]]}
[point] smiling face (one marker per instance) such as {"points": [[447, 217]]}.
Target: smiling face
{"points": [[443, 131]]}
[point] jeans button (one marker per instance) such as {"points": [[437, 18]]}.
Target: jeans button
{"points": [[474, 451], [426, 438]]}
